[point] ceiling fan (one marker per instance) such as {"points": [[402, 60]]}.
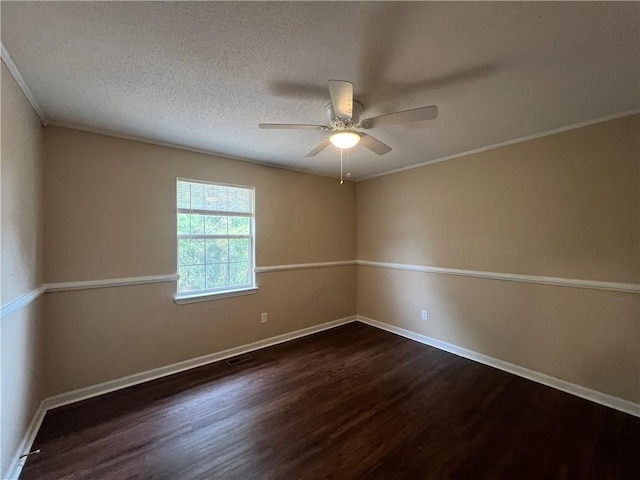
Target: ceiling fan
{"points": [[344, 117]]}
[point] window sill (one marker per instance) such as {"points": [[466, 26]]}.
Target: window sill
{"points": [[205, 297]]}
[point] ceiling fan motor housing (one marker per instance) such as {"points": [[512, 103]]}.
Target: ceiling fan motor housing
{"points": [[344, 123], [344, 113]]}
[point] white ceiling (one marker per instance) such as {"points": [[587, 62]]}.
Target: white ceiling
{"points": [[204, 74]]}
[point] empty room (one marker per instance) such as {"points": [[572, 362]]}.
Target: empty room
{"points": [[309, 240]]}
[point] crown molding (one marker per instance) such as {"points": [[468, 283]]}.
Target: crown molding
{"points": [[212, 153], [22, 84], [514, 141], [45, 121]]}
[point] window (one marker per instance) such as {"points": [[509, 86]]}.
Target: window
{"points": [[215, 238]]}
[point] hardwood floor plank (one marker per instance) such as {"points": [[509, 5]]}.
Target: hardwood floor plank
{"points": [[348, 403]]}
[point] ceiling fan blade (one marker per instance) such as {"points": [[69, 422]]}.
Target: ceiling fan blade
{"points": [[406, 116], [373, 144], [291, 126], [318, 148], [342, 98]]}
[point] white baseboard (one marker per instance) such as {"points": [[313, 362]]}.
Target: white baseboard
{"points": [[112, 385], [15, 468], [607, 400]]}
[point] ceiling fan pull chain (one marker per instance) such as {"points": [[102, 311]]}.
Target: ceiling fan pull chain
{"points": [[341, 180], [348, 174]]}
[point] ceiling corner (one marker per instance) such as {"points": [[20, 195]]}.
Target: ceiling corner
{"points": [[23, 85]]}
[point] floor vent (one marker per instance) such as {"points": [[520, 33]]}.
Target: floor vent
{"points": [[236, 360]]}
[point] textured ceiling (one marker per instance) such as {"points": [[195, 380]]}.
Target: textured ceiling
{"points": [[204, 74]]}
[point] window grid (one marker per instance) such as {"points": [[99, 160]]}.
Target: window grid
{"points": [[212, 256]]}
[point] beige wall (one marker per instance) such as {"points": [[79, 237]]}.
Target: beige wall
{"points": [[22, 238], [110, 208], [565, 205], [21, 265], [104, 334], [110, 213]]}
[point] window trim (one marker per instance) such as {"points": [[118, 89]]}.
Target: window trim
{"points": [[207, 296], [220, 292]]}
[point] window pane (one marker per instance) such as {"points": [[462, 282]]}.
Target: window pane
{"points": [[239, 200], [204, 196], [197, 196], [197, 224], [217, 251], [190, 252], [239, 225], [191, 278], [183, 224], [217, 275], [210, 263], [215, 225], [239, 273], [184, 195], [239, 250], [216, 197]]}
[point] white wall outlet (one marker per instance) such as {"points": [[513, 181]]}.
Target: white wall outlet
{"points": [[424, 314], [263, 317]]}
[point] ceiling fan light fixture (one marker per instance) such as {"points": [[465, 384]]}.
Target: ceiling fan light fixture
{"points": [[345, 139]]}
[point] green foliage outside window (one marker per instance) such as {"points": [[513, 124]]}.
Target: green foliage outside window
{"points": [[215, 250]]}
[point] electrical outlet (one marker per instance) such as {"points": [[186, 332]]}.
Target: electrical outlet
{"points": [[424, 315], [263, 318]]}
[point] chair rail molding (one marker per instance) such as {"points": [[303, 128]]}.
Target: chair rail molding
{"points": [[110, 282], [25, 299], [509, 277], [21, 301], [304, 266]]}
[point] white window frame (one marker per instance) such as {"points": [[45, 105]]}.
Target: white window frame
{"points": [[218, 292]]}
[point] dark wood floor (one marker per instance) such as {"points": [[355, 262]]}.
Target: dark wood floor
{"points": [[354, 402]]}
